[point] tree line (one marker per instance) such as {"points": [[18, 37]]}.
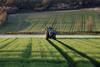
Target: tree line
{"points": [[31, 4]]}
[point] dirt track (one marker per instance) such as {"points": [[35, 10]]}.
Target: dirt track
{"points": [[43, 36]]}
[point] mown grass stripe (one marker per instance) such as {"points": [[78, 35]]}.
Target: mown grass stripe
{"points": [[4, 45], [96, 63], [75, 58]]}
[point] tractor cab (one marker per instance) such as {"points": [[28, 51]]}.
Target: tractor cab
{"points": [[50, 33]]}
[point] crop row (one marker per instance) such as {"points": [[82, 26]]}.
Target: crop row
{"points": [[76, 21]]}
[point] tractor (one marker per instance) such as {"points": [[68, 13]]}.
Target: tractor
{"points": [[50, 33]]}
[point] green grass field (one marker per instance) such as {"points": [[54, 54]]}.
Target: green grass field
{"points": [[62, 21], [38, 52]]}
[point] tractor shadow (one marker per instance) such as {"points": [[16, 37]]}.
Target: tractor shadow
{"points": [[96, 63], [71, 64]]}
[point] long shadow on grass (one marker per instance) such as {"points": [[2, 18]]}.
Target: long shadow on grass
{"points": [[26, 55], [71, 64], [28, 51], [96, 63]]}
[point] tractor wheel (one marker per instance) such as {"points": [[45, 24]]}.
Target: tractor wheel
{"points": [[47, 36], [54, 37]]}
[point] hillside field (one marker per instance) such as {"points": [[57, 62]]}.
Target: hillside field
{"points": [[38, 52], [65, 51], [62, 21]]}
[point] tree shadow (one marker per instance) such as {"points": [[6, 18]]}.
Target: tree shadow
{"points": [[96, 63], [27, 52]]}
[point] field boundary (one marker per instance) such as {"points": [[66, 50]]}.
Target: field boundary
{"points": [[44, 36]]}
